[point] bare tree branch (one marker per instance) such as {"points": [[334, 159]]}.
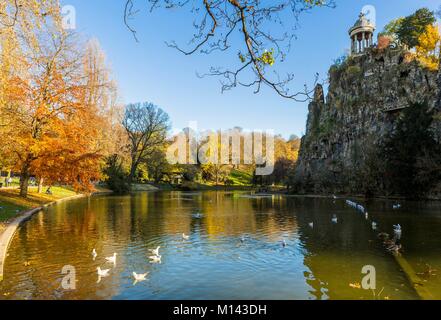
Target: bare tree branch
{"points": [[267, 30], [13, 18]]}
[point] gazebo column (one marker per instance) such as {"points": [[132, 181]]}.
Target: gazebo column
{"points": [[363, 40]]}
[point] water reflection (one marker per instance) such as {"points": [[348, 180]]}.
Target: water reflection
{"points": [[239, 247]]}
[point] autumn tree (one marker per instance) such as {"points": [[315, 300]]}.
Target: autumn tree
{"points": [[428, 48], [146, 126], [76, 155], [286, 153], [265, 29], [53, 108], [408, 30], [14, 26]]}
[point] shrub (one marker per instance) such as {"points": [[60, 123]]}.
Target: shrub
{"points": [[384, 41]]}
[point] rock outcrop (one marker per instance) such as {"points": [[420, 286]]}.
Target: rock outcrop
{"points": [[366, 95]]}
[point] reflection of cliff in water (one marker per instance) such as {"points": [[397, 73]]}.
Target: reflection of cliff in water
{"points": [[336, 253]]}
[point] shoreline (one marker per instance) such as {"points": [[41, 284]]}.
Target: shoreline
{"points": [[11, 226], [359, 197]]}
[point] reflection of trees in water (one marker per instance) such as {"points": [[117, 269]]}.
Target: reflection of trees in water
{"points": [[64, 235], [275, 217]]}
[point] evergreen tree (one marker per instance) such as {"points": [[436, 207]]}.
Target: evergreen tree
{"points": [[407, 153], [412, 27]]}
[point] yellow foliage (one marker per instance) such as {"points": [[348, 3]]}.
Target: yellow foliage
{"points": [[56, 99], [286, 149], [428, 48], [267, 57]]}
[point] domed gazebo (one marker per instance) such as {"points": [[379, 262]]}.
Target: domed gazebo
{"points": [[362, 34]]}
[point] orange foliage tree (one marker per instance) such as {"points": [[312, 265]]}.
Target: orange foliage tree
{"points": [[55, 107]]}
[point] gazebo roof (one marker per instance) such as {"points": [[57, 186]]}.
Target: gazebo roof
{"points": [[363, 23]]}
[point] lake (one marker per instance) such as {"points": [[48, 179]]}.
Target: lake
{"points": [[234, 251]]}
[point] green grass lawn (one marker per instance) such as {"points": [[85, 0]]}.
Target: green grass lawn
{"points": [[15, 182], [11, 203], [241, 178]]}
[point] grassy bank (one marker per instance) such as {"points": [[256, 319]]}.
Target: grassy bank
{"points": [[11, 203]]}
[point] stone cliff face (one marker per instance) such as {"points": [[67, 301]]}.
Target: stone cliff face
{"points": [[366, 95]]}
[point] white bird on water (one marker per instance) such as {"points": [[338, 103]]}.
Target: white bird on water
{"points": [[155, 251], [284, 244], [155, 259], [334, 219], [311, 225], [112, 259], [94, 254], [139, 277], [185, 237], [102, 273], [397, 229]]}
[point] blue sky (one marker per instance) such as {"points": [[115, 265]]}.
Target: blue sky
{"points": [[148, 70]]}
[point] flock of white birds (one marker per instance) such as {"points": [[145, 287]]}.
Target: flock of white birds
{"points": [[393, 244], [154, 258]]}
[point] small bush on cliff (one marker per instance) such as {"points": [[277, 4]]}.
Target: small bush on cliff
{"points": [[338, 66], [354, 72], [412, 155], [384, 42]]}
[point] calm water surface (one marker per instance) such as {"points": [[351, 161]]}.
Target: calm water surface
{"points": [[214, 263]]}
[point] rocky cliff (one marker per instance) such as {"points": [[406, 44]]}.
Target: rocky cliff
{"points": [[366, 96]]}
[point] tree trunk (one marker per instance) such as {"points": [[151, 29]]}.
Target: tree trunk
{"points": [[133, 168], [438, 101], [438, 98], [40, 185], [24, 181]]}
